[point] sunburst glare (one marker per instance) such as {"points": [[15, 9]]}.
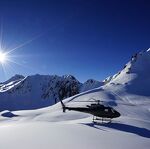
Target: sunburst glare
{"points": [[8, 59], [3, 57]]}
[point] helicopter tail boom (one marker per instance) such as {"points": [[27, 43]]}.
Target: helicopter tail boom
{"points": [[63, 106]]}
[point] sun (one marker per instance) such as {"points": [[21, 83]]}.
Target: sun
{"points": [[3, 57]]}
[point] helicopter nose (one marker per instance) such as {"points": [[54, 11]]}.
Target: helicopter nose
{"points": [[117, 114]]}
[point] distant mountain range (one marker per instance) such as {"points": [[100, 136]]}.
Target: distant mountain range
{"points": [[38, 91]]}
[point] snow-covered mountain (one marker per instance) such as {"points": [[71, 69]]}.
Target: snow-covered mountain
{"points": [[90, 84], [135, 77], [39, 91], [11, 82], [51, 128], [14, 79]]}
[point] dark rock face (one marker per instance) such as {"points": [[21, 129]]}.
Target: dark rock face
{"points": [[62, 88]]}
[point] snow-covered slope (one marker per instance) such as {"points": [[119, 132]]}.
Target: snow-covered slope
{"points": [[39, 91], [135, 77], [49, 127], [16, 77], [11, 82]]}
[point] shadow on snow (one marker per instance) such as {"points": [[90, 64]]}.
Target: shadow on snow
{"points": [[143, 132]]}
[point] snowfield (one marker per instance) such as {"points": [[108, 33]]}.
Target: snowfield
{"points": [[51, 128], [128, 92]]}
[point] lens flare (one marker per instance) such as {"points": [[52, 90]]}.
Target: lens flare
{"points": [[3, 57]]}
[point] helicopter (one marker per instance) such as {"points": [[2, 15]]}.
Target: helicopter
{"points": [[98, 110]]}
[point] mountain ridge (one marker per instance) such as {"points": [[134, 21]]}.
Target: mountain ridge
{"points": [[38, 91]]}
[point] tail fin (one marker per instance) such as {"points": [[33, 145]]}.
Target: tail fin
{"points": [[63, 106]]}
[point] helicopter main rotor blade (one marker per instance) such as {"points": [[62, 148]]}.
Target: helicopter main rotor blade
{"points": [[89, 101], [112, 102], [109, 102]]}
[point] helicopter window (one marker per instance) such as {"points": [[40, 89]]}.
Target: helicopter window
{"points": [[106, 110]]}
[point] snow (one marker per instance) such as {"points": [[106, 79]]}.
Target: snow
{"points": [[51, 128], [37, 91], [128, 92], [90, 84], [66, 136]]}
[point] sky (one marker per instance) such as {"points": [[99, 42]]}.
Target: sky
{"points": [[87, 39]]}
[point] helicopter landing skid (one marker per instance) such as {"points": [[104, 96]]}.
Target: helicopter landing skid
{"points": [[103, 120]]}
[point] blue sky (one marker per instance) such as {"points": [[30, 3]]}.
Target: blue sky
{"points": [[88, 39]]}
